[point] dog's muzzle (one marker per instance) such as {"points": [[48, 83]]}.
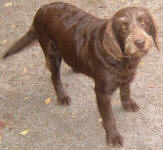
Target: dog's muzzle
{"points": [[138, 45]]}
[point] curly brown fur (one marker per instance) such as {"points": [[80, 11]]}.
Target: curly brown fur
{"points": [[107, 50]]}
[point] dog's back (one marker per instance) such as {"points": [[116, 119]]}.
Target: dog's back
{"points": [[71, 30]]}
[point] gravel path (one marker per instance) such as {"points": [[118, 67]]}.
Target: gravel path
{"points": [[25, 85]]}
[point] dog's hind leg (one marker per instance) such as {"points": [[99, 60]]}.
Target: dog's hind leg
{"points": [[53, 60]]}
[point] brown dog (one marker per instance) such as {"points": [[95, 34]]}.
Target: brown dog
{"points": [[108, 50]]}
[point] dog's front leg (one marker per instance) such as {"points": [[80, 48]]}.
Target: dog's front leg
{"points": [[126, 101], [103, 95]]}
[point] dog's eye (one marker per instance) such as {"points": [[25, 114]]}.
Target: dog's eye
{"points": [[141, 21]]}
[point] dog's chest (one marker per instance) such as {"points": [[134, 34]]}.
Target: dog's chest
{"points": [[127, 71]]}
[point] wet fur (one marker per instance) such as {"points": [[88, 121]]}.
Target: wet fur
{"points": [[95, 47]]}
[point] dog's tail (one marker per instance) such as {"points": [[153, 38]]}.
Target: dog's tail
{"points": [[23, 42]]}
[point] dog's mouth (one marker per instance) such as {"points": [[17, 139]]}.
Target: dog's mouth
{"points": [[136, 55]]}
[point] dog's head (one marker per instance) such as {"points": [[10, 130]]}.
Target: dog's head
{"points": [[134, 30]]}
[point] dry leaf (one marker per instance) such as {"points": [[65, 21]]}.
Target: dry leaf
{"points": [[1, 124], [103, 6], [26, 98], [0, 137], [7, 123], [66, 85], [141, 63], [134, 2], [100, 120], [92, 13], [8, 13], [24, 132], [8, 4], [48, 100], [4, 41], [151, 85], [25, 69], [13, 26]]}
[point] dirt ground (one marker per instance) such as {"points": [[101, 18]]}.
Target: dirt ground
{"points": [[25, 85]]}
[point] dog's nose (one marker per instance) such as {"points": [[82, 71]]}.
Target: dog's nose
{"points": [[140, 43]]}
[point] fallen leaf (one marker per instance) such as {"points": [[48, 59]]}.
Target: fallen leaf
{"points": [[24, 132], [134, 2], [13, 26], [141, 63], [0, 137], [25, 69], [8, 13], [66, 85], [1, 43], [4, 41], [103, 6], [48, 100], [92, 13], [151, 85], [8, 4], [100, 120], [7, 123], [1, 124], [26, 98]]}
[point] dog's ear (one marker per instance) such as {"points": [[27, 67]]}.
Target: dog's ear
{"points": [[111, 44], [154, 30]]}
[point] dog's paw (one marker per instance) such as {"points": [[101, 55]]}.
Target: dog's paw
{"points": [[130, 106], [65, 100], [115, 139]]}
